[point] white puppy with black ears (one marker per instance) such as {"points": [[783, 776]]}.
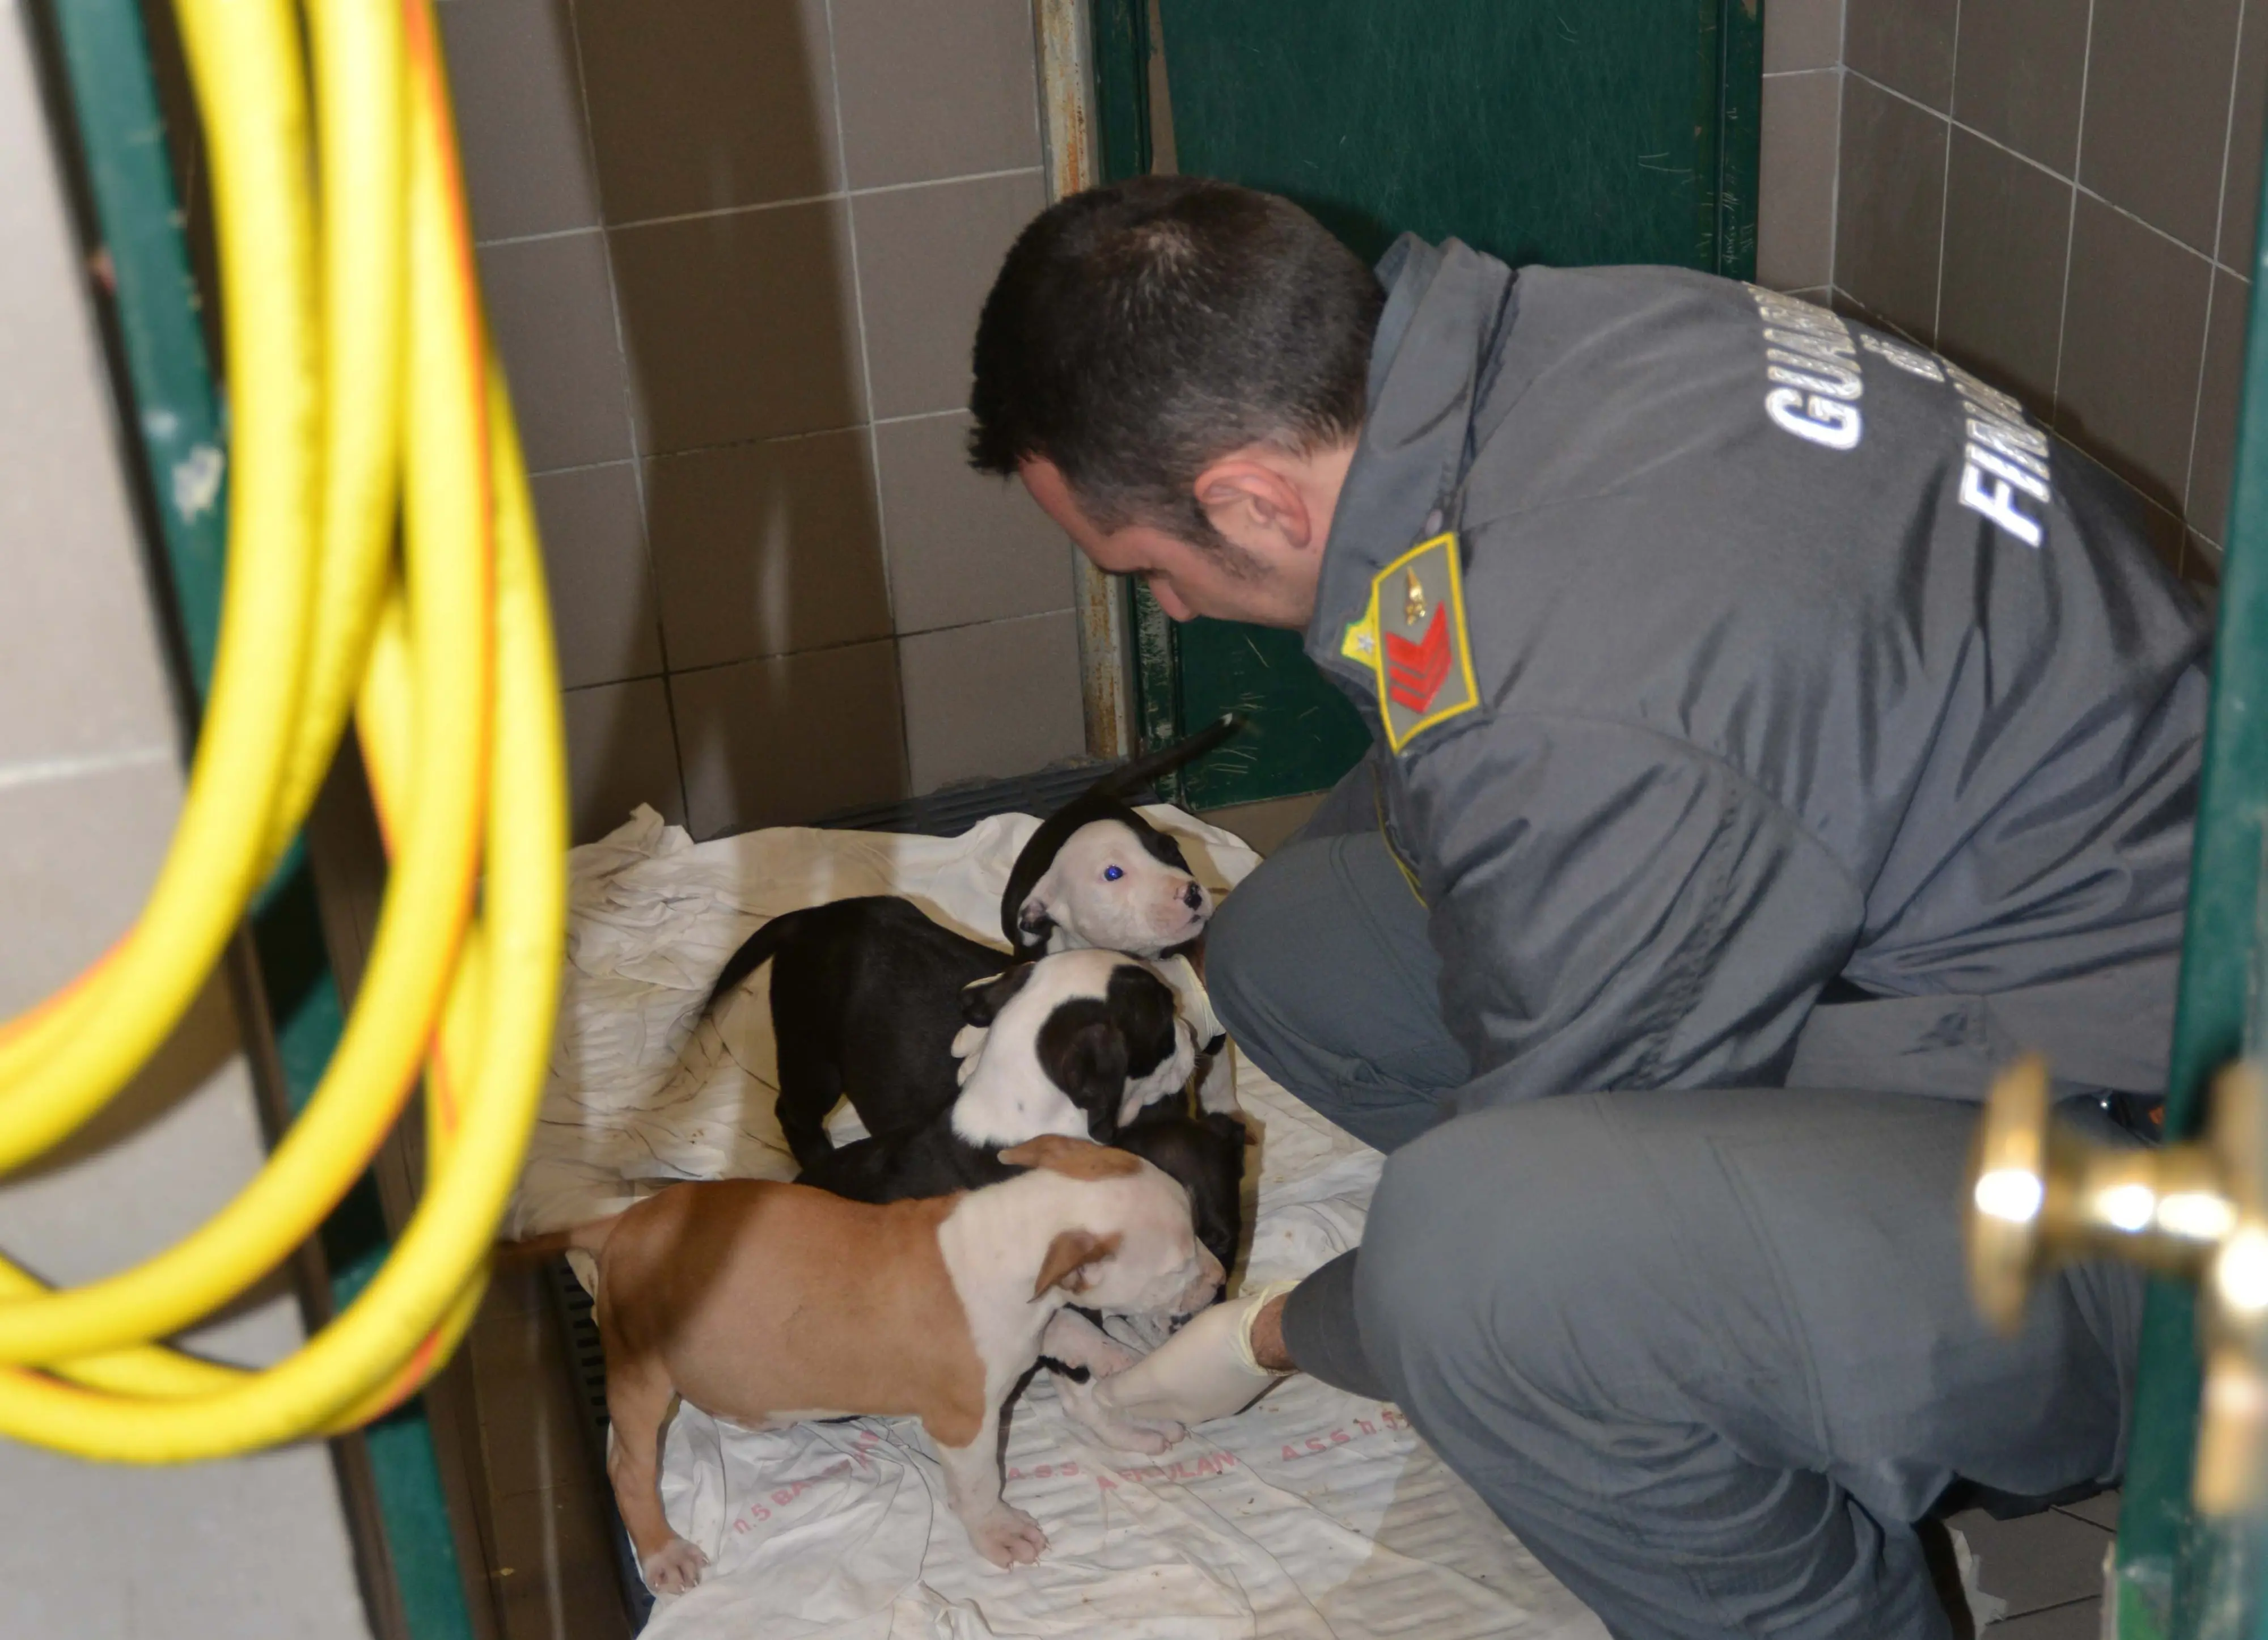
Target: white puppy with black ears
{"points": [[1098, 875]]}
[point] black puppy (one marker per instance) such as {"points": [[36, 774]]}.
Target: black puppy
{"points": [[866, 997], [1076, 1043], [1096, 874], [1205, 1153]]}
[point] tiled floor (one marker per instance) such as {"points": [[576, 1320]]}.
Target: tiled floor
{"points": [[2047, 1567]]}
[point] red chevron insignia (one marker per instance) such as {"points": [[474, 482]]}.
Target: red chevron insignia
{"points": [[1416, 672]]}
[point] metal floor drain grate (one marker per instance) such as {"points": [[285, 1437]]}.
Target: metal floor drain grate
{"points": [[586, 1359]]}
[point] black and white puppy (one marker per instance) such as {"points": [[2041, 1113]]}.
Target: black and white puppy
{"points": [[1097, 874], [865, 993], [1075, 1043]]}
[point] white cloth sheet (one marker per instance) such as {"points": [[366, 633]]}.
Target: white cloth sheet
{"points": [[1314, 1514]]}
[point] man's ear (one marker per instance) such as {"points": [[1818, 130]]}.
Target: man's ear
{"points": [[1255, 506], [1069, 1255], [981, 1000]]}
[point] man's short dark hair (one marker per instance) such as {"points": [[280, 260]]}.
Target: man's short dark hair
{"points": [[1138, 332]]}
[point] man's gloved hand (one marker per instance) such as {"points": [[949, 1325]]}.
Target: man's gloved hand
{"points": [[1206, 1370]]}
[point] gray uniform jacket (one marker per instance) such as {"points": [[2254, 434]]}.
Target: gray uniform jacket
{"points": [[1794, 653]]}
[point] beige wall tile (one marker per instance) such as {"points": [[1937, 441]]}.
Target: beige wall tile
{"points": [[926, 257], [2022, 66], [71, 582], [2213, 464], [603, 616], [790, 739], [964, 546], [2239, 206], [519, 99], [993, 700], [2201, 567], [2008, 230], [1803, 34], [1795, 195], [621, 752], [1890, 208], [77, 857], [767, 549], [1905, 44], [551, 309], [173, 1146], [701, 105], [936, 88], [2128, 389], [742, 326], [2157, 111]]}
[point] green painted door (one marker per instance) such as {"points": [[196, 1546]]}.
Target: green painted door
{"points": [[2179, 1575], [1608, 131]]}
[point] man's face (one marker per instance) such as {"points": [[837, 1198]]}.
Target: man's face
{"points": [[1228, 584]]}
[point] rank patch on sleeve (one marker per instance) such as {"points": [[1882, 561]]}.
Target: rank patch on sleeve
{"points": [[1417, 644]]}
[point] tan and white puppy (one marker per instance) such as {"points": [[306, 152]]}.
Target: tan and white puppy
{"points": [[764, 1304]]}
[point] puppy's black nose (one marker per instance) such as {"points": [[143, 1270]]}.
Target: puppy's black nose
{"points": [[1193, 896]]}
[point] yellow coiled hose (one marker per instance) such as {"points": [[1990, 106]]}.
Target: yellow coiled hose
{"points": [[362, 391]]}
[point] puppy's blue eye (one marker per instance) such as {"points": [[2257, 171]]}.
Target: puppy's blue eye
{"points": [[1111, 873]]}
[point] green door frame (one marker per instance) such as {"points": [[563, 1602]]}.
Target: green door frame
{"points": [[2175, 1576]]}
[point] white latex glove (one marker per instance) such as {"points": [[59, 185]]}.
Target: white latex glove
{"points": [[1204, 1372]]}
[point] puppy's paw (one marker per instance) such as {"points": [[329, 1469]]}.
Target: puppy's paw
{"points": [[1106, 1355], [1120, 1435], [673, 1568], [1007, 1537], [1126, 1436], [1076, 1341]]}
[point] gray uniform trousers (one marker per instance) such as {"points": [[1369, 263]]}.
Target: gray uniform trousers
{"points": [[1709, 1352]]}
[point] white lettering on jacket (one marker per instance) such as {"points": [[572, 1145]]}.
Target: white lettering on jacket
{"points": [[1824, 421], [1812, 365], [2005, 461]]}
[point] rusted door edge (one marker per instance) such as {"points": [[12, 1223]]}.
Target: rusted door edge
{"points": [[1098, 601]]}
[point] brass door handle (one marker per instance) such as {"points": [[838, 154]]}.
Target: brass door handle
{"points": [[2041, 1195]]}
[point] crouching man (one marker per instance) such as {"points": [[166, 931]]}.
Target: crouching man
{"points": [[1774, 733]]}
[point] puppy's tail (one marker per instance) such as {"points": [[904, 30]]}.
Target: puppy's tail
{"points": [[757, 949], [590, 1239], [1132, 777]]}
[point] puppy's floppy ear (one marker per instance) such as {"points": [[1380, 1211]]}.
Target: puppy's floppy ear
{"points": [[1068, 1256], [1163, 846], [1035, 923], [981, 1000], [1027, 878], [1145, 1008], [1083, 1052]]}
